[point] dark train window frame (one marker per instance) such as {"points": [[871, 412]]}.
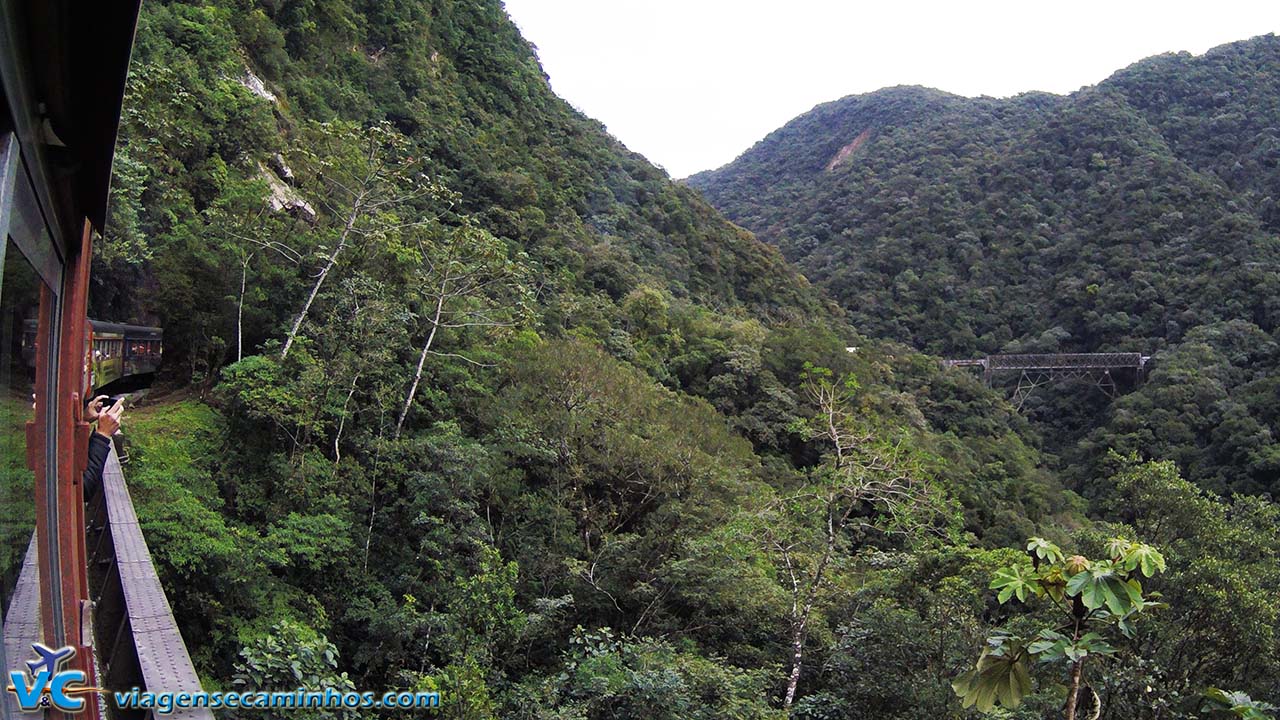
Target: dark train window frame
{"points": [[22, 221]]}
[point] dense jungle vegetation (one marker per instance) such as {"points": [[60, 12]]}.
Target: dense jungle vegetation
{"points": [[461, 394]]}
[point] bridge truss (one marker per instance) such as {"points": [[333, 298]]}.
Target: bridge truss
{"points": [[1107, 372]]}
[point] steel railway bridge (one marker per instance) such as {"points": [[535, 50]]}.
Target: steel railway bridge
{"points": [[1108, 372]]}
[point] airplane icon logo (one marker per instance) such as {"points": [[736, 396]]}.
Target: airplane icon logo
{"points": [[47, 686], [49, 658]]}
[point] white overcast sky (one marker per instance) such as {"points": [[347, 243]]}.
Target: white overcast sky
{"points": [[690, 84]]}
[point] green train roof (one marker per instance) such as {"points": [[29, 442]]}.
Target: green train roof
{"points": [[133, 330]]}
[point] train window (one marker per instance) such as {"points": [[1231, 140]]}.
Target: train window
{"points": [[19, 308]]}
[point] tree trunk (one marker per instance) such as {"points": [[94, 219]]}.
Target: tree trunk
{"points": [[805, 610], [373, 513], [324, 273], [797, 659], [422, 361], [342, 421], [1073, 690], [244, 274]]}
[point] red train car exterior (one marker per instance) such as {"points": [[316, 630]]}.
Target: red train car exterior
{"points": [[62, 67]]}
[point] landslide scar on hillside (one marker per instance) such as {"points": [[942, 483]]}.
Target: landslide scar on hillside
{"points": [[847, 150]]}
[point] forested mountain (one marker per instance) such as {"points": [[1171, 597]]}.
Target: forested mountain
{"points": [[1138, 215], [463, 395]]}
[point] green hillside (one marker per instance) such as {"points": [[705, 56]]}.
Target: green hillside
{"points": [[979, 225], [1136, 215]]}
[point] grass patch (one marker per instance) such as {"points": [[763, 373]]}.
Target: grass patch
{"points": [[17, 488], [174, 445]]}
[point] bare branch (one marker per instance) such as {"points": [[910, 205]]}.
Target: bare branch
{"points": [[461, 357]]}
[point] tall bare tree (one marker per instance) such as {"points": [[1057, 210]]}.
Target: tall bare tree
{"points": [[367, 182], [239, 226], [251, 247], [867, 482], [466, 279]]}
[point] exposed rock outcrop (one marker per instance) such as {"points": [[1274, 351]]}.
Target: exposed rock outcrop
{"points": [[284, 198]]}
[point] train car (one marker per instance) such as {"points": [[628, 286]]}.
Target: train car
{"points": [[124, 352], [119, 354]]}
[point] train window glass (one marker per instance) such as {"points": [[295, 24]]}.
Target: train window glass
{"points": [[19, 308]]}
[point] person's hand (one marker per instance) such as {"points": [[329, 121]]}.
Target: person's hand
{"points": [[109, 421], [94, 409]]}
